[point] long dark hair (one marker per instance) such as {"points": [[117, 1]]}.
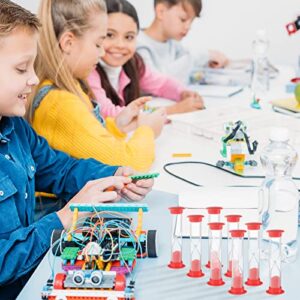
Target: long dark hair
{"points": [[134, 68]]}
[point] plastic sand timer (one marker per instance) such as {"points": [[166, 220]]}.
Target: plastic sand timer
{"points": [[233, 222], [237, 285], [215, 238], [275, 262], [254, 237], [214, 214], [176, 251], [195, 246]]}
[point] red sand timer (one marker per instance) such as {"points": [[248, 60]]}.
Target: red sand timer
{"points": [[237, 286], [176, 251], [275, 262], [215, 238], [214, 214], [233, 222], [195, 246], [254, 237]]}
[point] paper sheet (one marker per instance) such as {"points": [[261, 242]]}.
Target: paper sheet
{"points": [[209, 90]]}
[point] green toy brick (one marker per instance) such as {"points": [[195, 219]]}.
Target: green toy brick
{"points": [[144, 176], [128, 253], [70, 253]]}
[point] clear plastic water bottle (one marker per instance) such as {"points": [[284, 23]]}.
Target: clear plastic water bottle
{"points": [[278, 193], [260, 82]]}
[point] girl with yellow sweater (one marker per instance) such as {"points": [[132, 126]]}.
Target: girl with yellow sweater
{"points": [[62, 109]]}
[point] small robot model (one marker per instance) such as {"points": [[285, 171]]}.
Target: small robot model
{"points": [[98, 252], [236, 146]]}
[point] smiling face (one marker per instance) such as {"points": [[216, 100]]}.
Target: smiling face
{"points": [[83, 53], [120, 42], [17, 76], [176, 20]]}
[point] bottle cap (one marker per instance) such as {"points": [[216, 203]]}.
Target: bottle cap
{"points": [[177, 210], [214, 210], [195, 218], [275, 233], [261, 33], [253, 225], [233, 218], [279, 134], [215, 226], [238, 233]]}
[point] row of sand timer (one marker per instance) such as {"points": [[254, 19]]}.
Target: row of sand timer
{"points": [[235, 263]]}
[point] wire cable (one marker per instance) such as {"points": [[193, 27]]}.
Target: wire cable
{"points": [[165, 167]]}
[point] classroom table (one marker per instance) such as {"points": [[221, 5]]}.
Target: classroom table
{"points": [[154, 280], [175, 139]]}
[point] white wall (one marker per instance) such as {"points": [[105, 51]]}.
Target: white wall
{"points": [[230, 25], [29, 4]]}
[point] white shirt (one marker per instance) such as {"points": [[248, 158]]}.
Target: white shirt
{"points": [[169, 57], [113, 74]]}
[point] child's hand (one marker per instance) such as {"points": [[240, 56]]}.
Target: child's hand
{"points": [[126, 120], [134, 191], [187, 105], [188, 94], [217, 59], [155, 120], [93, 192], [138, 104]]}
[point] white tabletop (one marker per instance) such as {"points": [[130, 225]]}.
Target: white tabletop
{"points": [[154, 279], [177, 138]]}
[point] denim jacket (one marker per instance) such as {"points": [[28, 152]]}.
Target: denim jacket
{"points": [[27, 163]]}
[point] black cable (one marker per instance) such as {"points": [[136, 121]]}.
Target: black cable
{"points": [[209, 165]]}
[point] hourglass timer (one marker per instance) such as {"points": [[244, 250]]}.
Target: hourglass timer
{"points": [[275, 262], [195, 246], [215, 239], [233, 222], [237, 286], [176, 248], [214, 214], [254, 236]]}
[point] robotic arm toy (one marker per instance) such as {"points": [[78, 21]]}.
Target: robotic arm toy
{"points": [[236, 145]]}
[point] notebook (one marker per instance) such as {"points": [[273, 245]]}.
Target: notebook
{"points": [[288, 106]]}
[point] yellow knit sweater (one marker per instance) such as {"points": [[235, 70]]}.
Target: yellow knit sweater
{"points": [[69, 125]]}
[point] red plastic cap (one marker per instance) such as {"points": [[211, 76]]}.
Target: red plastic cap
{"points": [[239, 233], [295, 80], [195, 218], [275, 233], [216, 226], [253, 225], [214, 210], [291, 28], [177, 210], [233, 218], [237, 291]]}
